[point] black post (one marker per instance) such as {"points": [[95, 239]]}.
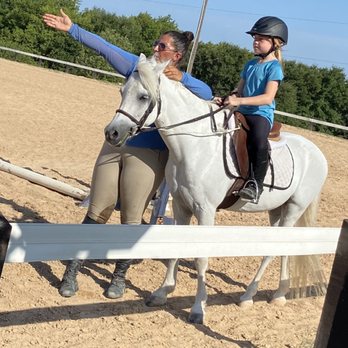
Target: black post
{"points": [[332, 331], [5, 233]]}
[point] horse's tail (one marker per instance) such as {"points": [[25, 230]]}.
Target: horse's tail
{"points": [[306, 274]]}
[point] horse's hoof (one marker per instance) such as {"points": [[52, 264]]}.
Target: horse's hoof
{"points": [[155, 301], [246, 304], [196, 318], [278, 301]]}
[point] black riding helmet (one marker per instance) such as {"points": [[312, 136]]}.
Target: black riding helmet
{"points": [[270, 26]]}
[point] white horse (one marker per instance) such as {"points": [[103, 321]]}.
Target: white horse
{"points": [[196, 174]]}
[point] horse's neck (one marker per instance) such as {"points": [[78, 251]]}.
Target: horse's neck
{"points": [[179, 104], [176, 109], [193, 141]]}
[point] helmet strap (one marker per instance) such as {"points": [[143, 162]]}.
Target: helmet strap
{"points": [[264, 55]]}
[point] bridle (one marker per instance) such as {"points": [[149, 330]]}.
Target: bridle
{"points": [[139, 124]]}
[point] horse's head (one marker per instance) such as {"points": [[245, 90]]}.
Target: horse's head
{"points": [[140, 105]]}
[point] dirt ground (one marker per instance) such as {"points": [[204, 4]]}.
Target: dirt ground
{"points": [[53, 124]]}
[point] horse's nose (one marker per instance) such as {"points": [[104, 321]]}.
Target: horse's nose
{"points": [[110, 135]]}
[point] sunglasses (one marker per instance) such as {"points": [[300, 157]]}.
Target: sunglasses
{"points": [[162, 46]]}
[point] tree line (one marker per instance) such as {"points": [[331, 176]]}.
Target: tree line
{"points": [[310, 91]]}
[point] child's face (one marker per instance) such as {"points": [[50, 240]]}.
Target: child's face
{"points": [[262, 44]]}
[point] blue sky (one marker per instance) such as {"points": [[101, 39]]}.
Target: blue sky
{"points": [[317, 28]]}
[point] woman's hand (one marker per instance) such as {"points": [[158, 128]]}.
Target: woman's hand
{"points": [[219, 101], [62, 22], [173, 73]]}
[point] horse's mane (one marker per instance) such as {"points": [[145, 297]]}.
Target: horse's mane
{"points": [[148, 76], [149, 71]]}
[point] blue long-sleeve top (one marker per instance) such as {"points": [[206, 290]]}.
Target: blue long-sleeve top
{"points": [[124, 63]]}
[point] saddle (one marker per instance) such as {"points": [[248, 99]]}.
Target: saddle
{"points": [[241, 156]]}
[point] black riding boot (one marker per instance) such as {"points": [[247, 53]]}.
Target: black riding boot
{"points": [[69, 285], [117, 285], [260, 173], [254, 186]]}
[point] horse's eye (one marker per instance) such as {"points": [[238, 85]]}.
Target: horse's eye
{"points": [[144, 97]]}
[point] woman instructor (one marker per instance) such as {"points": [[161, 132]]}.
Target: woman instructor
{"points": [[134, 172]]}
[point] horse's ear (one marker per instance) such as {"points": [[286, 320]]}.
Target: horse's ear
{"points": [[142, 58], [159, 67]]}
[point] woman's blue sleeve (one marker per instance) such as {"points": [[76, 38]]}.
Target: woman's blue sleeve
{"points": [[197, 87], [122, 61]]}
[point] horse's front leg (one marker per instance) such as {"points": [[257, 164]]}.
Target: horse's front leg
{"points": [[197, 310], [204, 217], [284, 282], [159, 296], [246, 300]]}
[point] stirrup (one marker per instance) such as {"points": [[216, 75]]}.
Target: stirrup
{"points": [[246, 194]]}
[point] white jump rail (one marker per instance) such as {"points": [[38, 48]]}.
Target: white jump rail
{"points": [[44, 242]]}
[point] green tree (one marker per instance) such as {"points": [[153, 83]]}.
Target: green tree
{"points": [[21, 26], [220, 65]]}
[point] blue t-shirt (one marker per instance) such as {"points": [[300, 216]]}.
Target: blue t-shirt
{"points": [[124, 63], [256, 76]]}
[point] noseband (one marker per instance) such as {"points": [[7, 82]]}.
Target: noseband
{"points": [[140, 123]]}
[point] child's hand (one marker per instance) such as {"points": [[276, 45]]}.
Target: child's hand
{"points": [[232, 100]]}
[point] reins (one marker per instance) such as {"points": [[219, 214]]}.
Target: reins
{"points": [[198, 118]]}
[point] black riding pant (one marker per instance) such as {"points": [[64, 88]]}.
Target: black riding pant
{"points": [[257, 144]]}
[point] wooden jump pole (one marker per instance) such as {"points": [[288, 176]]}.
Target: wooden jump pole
{"points": [[332, 331], [43, 180]]}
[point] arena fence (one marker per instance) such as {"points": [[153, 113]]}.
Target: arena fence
{"points": [[61, 62], [286, 114]]}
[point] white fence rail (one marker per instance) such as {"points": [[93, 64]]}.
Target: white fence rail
{"points": [[44, 242], [62, 62], [310, 120]]}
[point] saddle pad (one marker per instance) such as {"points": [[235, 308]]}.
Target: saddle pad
{"points": [[283, 166]]}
